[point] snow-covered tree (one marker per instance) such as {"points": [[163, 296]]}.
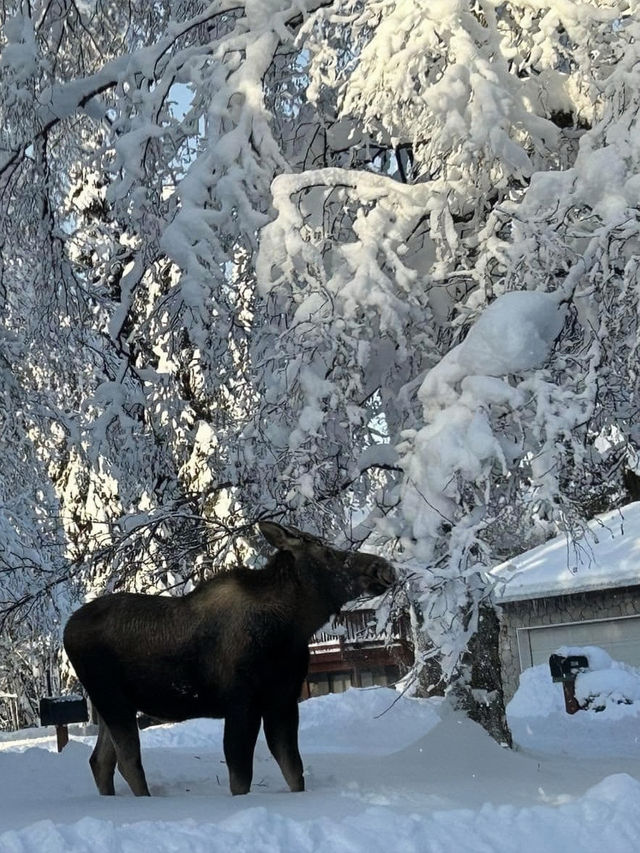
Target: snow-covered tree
{"points": [[365, 265]]}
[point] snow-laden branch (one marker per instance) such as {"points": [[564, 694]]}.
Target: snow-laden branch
{"points": [[62, 100]]}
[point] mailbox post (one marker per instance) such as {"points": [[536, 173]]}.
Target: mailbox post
{"points": [[565, 670], [59, 711]]}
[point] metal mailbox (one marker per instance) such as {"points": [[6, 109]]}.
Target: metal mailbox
{"points": [[62, 710], [565, 669], [59, 711]]}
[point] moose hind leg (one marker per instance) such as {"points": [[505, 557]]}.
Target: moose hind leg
{"points": [[281, 732], [103, 760], [126, 741], [240, 735]]}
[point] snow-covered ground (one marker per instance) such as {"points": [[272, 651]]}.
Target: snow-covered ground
{"points": [[383, 774]]}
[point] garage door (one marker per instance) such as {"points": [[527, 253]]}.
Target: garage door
{"points": [[619, 637]]}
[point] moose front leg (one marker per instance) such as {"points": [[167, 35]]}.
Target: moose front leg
{"points": [[281, 730], [241, 729]]}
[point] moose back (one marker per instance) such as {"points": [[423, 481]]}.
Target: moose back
{"points": [[236, 647]]}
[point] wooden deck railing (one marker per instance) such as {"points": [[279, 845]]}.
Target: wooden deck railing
{"points": [[360, 626]]}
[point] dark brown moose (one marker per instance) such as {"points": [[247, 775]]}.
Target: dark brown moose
{"points": [[236, 647]]}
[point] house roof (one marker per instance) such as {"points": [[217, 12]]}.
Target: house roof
{"points": [[607, 557]]}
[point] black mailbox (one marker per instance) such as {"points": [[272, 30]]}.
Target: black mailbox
{"points": [[566, 668], [62, 710]]}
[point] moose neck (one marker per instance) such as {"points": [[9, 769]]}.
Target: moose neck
{"points": [[322, 593]]}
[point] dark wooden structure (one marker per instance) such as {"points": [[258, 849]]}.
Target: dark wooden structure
{"points": [[357, 655]]}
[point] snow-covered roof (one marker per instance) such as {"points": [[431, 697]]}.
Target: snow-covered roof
{"points": [[606, 558]]}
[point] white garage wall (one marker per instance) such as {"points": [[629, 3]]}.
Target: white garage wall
{"points": [[609, 618], [619, 637]]}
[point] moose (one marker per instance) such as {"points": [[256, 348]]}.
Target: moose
{"points": [[236, 647]]}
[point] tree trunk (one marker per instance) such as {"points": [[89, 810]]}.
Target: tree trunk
{"points": [[478, 691]]}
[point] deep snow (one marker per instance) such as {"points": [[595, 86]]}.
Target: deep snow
{"points": [[383, 773]]}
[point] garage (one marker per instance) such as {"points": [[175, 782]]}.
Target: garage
{"points": [[572, 593], [619, 637]]}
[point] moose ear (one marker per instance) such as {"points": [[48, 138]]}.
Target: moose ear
{"points": [[280, 537]]}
